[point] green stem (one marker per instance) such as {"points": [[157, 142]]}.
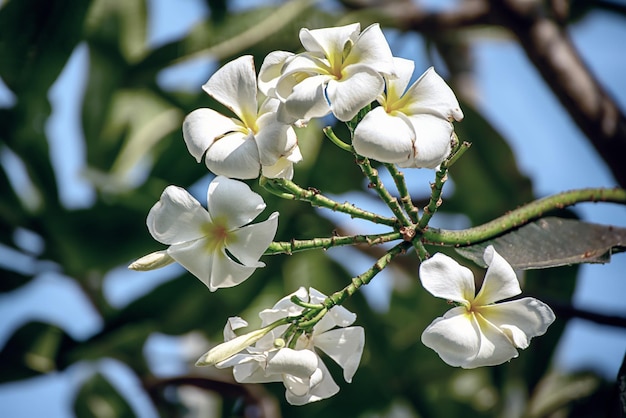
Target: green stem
{"points": [[405, 197], [520, 216], [282, 247], [377, 184], [328, 131], [340, 296], [314, 197], [435, 197]]}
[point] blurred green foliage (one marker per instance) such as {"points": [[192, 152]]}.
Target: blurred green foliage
{"points": [[127, 118]]}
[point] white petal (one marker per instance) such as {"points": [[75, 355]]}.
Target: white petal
{"points": [[397, 86], [324, 388], [372, 49], [500, 279], [444, 278], [177, 217], [249, 243], [456, 337], [383, 137], [196, 257], [359, 87], [233, 323], [234, 85], [202, 127], [283, 168], [329, 41], [271, 70], [228, 273], [345, 346], [520, 319], [495, 347], [307, 100], [431, 94], [235, 156], [233, 201], [274, 139], [299, 363], [433, 136]]}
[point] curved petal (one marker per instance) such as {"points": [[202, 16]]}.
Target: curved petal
{"points": [[444, 278], [397, 86], [456, 337], [520, 319], [495, 347], [195, 257], [431, 94], [228, 273], [322, 386], [383, 137], [249, 243], [433, 136], [274, 139], [283, 168], [359, 86], [233, 201], [500, 280], [372, 49], [271, 70], [177, 217], [345, 346], [234, 85], [233, 323], [299, 363], [307, 100], [249, 369], [235, 156], [329, 41], [202, 127]]}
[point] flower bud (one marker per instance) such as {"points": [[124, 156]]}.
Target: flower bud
{"points": [[152, 261], [230, 348]]}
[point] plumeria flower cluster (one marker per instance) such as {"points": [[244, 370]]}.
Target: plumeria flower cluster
{"points": [[351, 74], [297, 365]]}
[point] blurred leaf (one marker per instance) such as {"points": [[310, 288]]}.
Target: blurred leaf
{"points": [[32, 350], [32, 47], [98, 398], [552, 242]]}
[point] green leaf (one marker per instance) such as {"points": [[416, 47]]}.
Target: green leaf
{"points": [[98, 398], [32, 350], [552, 242]]}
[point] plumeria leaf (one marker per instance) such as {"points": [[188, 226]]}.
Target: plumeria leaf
{"points": [[552, 242], [96, 395]]}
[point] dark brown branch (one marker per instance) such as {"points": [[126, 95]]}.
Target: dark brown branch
{"points": [[554, 55]]}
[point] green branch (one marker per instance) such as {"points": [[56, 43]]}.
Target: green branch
{"points": [[377, 184], [520, 216], [293, 246], [340, 296], [405, 197], [290, 190]]}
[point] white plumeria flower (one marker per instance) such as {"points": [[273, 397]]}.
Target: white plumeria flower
{"points": [[340, 72], [411, 127], [198, 239], [301, 370], [480, 332], [241, 148]]}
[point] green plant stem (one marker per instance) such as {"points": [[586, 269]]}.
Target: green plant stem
{"points": [[330, 134], [520, 216], [377, 184], [282, 247], [340, 296], [314, 197], [435, 197], [405, 197]]}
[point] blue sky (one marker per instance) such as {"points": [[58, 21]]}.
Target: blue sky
{"points": [[549, 149]]}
